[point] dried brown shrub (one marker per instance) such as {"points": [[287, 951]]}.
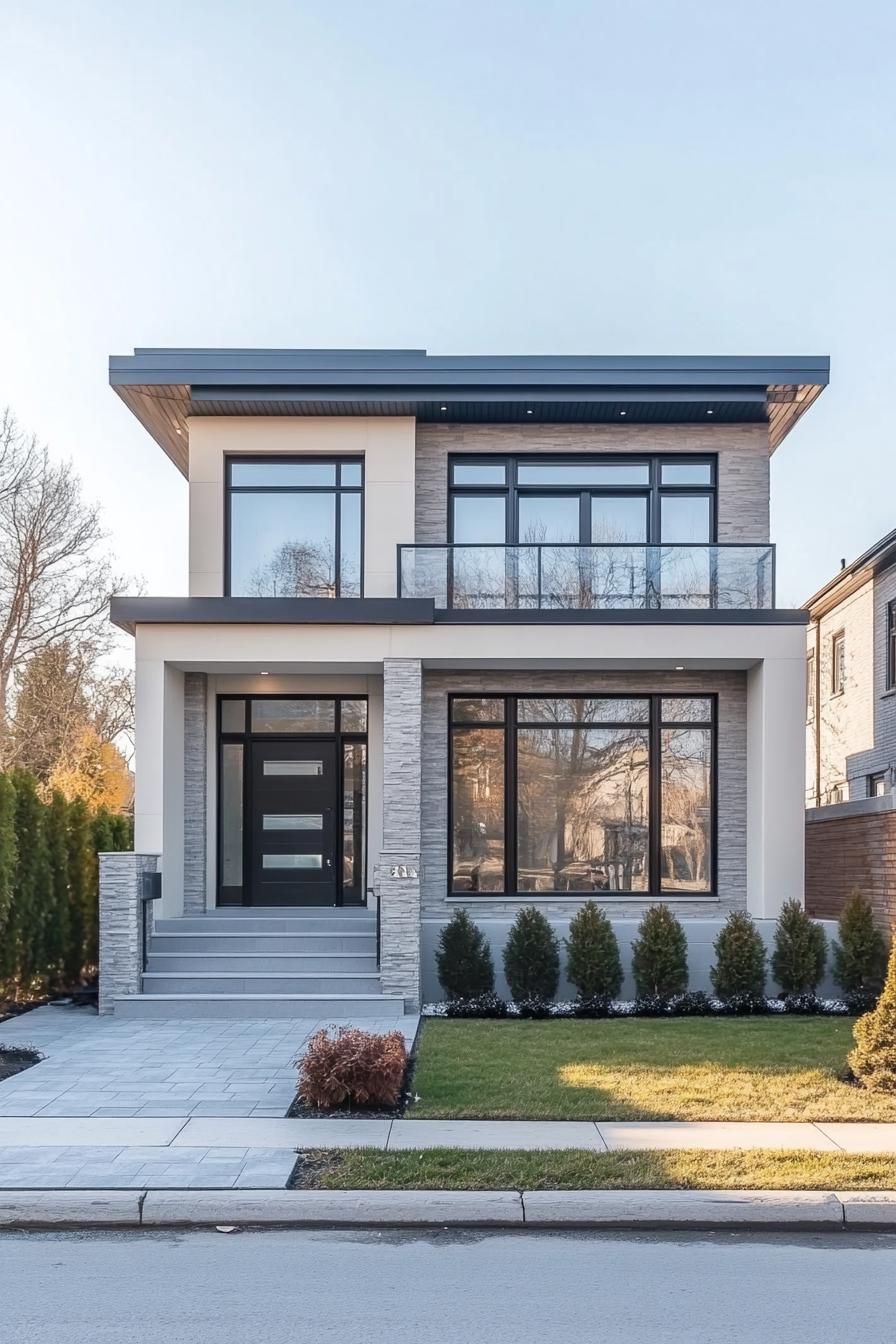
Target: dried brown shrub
{"points": [[354, 1067]]}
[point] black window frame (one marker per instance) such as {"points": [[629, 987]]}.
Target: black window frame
{"points": [[838, 656], [891, 645], [337, 489], [874, 779], [655, 724], [246, 738], [810, 686], [653, 491]]}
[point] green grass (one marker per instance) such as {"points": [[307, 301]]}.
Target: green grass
{"points": [[735, 1169], [771, 1068]]}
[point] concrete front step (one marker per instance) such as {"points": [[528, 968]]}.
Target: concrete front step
{"points": [[242, 924], [324, 943], [280, 963], [323, 1007], [259, 982]]}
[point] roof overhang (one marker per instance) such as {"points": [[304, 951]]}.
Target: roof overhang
{"points": [[166, 387], [880, 556]]}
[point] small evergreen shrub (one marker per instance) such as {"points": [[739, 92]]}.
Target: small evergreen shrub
{"points": [[859, 1001], [873, 1060], [464, 959], [592, 954], [660, 955], [595, 1005], [740, 958], [801, 951], [803, 1005], [693, 1003], [534, 1006], [532, 957], [352, 1068], [860, 956], [744, 1004], [483, 1005], [654, 1005]]}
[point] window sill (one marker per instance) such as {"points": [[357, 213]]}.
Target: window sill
{"points": [[889, 693]]}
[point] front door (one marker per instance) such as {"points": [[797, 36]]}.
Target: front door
{"points": [[293, 834]]}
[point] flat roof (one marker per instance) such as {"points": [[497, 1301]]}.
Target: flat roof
{"points": [[164, 387]]}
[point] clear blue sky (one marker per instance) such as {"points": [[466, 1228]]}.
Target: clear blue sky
{"points": [[616, 177]]}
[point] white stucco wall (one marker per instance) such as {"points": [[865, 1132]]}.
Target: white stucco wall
{"points": [[386, 443]]}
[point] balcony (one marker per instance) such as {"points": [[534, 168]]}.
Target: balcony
{"points": [[568, 577]]}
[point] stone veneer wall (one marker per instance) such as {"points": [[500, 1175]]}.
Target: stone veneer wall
{"points": [[195, 790], [732, 782], [398, 893], [121, 924], [743, 456]]}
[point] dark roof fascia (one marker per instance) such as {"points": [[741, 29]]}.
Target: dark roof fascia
{"points": [[129, 612], [880, 556], [415, 369]]}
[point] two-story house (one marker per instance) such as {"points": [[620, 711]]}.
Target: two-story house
{"points": [[851, 736], [461, 631]]}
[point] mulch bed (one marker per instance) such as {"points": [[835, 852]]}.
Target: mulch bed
{"points": [[16, 1058], [309, 1167]]}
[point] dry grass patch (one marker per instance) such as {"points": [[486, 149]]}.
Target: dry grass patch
{"points": [[733, 1169], [772, 1068]]}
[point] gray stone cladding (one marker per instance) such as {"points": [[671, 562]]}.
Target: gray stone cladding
{"points": [[743, 456], [731, 688], [397, 876], [121, 923], [195, 790]]}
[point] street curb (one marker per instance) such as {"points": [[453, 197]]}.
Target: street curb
{"points": [[618, 1210]]}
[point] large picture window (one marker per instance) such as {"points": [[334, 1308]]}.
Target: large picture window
{"points": [[294, 527], [582, 794]]}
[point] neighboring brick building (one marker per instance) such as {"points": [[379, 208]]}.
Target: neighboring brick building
{"points": [[851, 735]]}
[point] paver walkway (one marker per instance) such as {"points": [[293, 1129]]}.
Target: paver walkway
{"points": [[108, 1067]]}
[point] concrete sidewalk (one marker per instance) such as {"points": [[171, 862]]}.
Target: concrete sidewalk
{"points": [[190, 1152]]}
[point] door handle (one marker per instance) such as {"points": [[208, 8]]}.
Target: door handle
{"points": [[329, 863]]}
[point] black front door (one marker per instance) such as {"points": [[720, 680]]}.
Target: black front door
{"points": [[293, 832]]}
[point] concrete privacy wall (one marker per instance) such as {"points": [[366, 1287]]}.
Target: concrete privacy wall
{"points": [[742, 450], [846, 851], [701, 935], [732, 781], [121, 923], [195, 790]]}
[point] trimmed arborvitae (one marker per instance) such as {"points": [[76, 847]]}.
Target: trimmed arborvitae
{"points": [[57, 930], [873, 1061], [8, 868], [592, 954], [532, 957], [122, 831], [740, 958], [33, 894], [860, 957], [801, 950], [81, 950], [464, 959], [660, 955]]}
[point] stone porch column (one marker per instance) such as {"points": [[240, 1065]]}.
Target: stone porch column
{"points": [[121, 923], [397, 878]]}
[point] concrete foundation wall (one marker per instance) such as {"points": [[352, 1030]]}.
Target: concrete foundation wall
{"points": [[700, 935]]}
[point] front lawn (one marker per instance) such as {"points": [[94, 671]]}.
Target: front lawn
{"points": [[768, 1068], [455, 1169]]}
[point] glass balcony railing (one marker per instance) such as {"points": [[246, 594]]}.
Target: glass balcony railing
{"points": [[553, 577]]}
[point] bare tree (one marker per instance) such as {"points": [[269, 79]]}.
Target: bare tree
{"points": [[55, 576]]}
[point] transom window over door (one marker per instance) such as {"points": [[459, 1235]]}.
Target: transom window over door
{"points": [[599, 793], [294, 527]]}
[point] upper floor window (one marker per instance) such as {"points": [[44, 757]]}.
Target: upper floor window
{"points": [[810, 685], [877, 784], [838, 662], [891, 646], [582, 500], [294, 527]]}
